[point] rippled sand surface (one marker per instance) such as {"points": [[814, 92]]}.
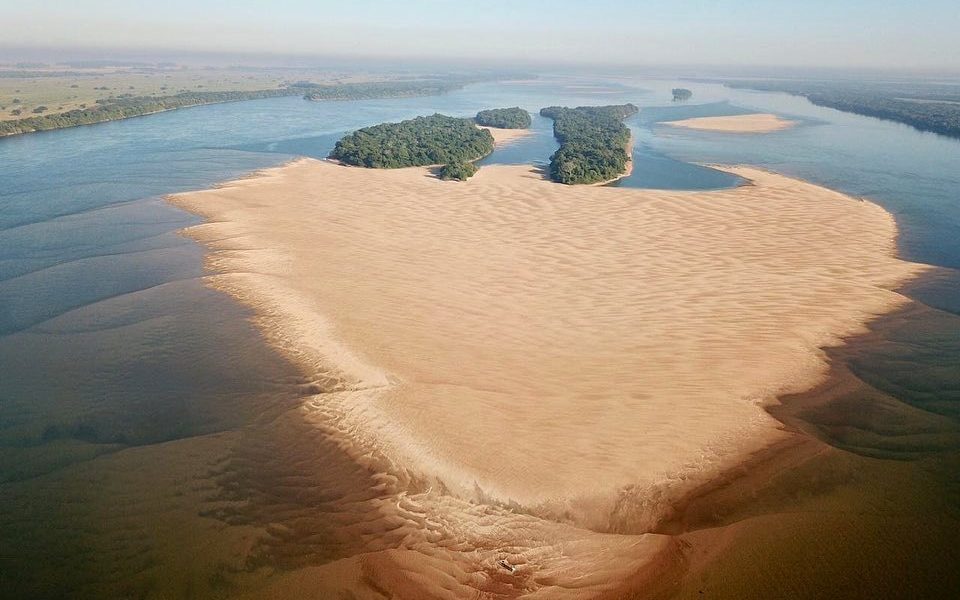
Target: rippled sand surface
{"points": [[753, 123], [526, 369]]}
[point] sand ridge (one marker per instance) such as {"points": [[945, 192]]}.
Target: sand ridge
{"points": [[577, 350], [752, 123]]}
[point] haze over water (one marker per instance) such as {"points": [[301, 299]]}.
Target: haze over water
{"points": [[111, 347]]}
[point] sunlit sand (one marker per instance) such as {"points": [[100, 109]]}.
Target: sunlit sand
{"points": [[506, 136], [583, 354], [754, 123]]}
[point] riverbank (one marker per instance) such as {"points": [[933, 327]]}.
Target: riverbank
{"points": [[584, 354]]}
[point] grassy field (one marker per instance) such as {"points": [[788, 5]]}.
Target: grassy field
{"points": [[60, 89]]}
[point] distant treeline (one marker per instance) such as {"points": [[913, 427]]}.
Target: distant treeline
{"points": [[20, 74], [927, 107], [434, 140], [681, 94], [112, 109], [593, 142], [379, 89], [123, 107], [504, 118]]}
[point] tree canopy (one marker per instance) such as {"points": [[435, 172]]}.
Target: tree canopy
{"points": [[433, 140], [593, 142], [459, 170], [378, 89], [504, 118], [680, 94]]}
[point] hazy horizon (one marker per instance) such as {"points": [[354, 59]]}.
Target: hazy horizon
{"points": [[850, 34]]}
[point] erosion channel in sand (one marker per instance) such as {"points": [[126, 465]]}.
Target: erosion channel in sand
{"points": [[753, 123], [569, 358]]}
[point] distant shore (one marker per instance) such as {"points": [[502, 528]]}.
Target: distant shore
{"points": [[585, 355]]}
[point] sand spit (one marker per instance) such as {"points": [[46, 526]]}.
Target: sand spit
{"points": [[574, 356], [754, 123], [506, 136]]}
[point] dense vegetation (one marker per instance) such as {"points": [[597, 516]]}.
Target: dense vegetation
{"points": [[924, 106], [459, 170], [380, 89], [122, 107], [593, 142], [681, 94], [504, 118], [434, 140], [126, 105]]}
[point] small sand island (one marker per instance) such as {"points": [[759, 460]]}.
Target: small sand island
{"points": [[585, 355], [753, 123]]}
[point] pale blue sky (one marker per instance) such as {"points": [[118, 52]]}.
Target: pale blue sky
{"points": [[891, 33]]}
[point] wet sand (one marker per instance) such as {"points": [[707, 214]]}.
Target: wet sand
{"points": [[754, 123], [529, 368]]}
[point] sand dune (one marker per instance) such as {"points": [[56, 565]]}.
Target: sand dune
{"points": [[754, 123], [580, 354]]}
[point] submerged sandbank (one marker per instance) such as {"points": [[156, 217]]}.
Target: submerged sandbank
{"points": [[583, 354], [753, 123]]}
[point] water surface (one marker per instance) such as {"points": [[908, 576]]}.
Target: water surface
{"points": [[134, 400]]}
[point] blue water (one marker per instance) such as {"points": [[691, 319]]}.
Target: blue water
{"points": [[109, 339]]}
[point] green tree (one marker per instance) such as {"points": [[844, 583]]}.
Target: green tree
{"points": [[433, 140], [593, 142], [504, 118], [460, 171]]}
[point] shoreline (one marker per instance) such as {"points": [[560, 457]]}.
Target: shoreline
{"points": [[626, 172], [345, 369]]}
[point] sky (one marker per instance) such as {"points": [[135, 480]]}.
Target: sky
{"points": [[899, 34]]}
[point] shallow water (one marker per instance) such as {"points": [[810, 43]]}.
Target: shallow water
{"points": [[111, 347]]}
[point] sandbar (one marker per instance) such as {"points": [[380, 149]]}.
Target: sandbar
{"points": [[503, 136], [753, 123], [583, 352]]}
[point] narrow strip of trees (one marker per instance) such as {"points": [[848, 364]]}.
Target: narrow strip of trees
{"points": [[933, 107], [125, 106]]}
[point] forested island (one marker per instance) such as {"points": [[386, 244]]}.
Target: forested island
{"points": [[593, 142], [504, 118], [681, 94], [932, 107], [434, 140], [124, 106]]}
